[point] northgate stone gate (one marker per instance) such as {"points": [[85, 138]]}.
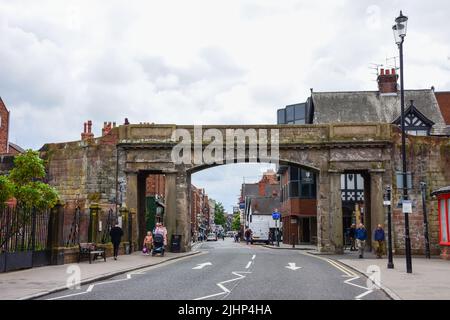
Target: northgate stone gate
{"points": [[329, 150]]}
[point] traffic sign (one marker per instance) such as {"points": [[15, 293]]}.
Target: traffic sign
{"points": [[276, 215], [407, 206]]}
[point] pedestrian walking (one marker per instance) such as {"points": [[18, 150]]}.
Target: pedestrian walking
{"points": [[248, 235], [161, 229], [116, 234], [148, 242], [379, 237], [361, 237], [351, 235]]}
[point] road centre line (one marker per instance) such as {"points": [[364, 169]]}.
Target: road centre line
{"points": [[248, 265]]}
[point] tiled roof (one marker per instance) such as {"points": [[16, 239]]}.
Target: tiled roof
{"points": [[370, 106]]}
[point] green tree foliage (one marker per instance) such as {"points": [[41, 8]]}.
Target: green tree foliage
{"points": [[219, 214], [236, 222], [7, 189], [28, 190]]}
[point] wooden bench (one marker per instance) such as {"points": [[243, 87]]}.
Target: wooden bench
{"points": [[91, 251]]}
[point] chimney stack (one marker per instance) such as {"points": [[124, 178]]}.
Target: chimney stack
{"points": [[87, 133], [387, 82], [107, 126]]}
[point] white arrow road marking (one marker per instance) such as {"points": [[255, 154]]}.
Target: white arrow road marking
{"points": [[225, 290], [202, 265], [292, 266]]}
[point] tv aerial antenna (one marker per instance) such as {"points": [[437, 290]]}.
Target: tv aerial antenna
{"points": [[389, 62], [376, 67]]}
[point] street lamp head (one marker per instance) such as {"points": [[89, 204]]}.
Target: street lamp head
{"points": [[399, 28]]}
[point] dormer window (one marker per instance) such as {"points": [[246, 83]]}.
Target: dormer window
{"points": [[415, 122]]}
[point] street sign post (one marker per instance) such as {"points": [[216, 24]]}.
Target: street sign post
{"points": [[276, 216]]}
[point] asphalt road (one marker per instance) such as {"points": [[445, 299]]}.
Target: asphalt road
{"points": [[234, 271]]}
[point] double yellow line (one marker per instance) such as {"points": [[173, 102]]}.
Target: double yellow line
{"points": [[337, 265]]}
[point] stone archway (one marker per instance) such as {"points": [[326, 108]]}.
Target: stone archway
{"points": [[329, 149]]}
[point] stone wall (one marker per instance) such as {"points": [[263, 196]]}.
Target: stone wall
{"points": [[83, 170], [428, 158]]}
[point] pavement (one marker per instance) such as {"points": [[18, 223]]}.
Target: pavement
{"points": [[36, 282], [225, 270], [429, 280]]}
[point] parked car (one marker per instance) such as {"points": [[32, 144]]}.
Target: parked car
{"points": [[230, 234], [211, 237]]}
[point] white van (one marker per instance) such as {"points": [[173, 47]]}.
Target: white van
{"points": [[260, 230]]}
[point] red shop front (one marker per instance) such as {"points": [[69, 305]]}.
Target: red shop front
{"points": [[443, 197]]}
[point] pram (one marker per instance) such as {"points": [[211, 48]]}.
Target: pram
{"points": [[158, 244]]}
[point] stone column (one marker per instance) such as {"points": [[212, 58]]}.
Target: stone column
{"points": [[336, 224], [329, 213], [132, 191], [170, 213], [176, 217], [94, 210], [55, 241], [377, 213], [183, 215]]}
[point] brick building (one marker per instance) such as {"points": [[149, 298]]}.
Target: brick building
{"points": [[201, 212], [6, 147], [298, 205]]}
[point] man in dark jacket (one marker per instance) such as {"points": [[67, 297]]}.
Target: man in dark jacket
{"points": [[116, 234], [351, 235], [361, 237], [379, 238]]}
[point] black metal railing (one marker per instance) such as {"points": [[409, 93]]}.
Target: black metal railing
{"points": [[23, 238], [23, 230]]}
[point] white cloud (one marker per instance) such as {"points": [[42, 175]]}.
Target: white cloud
{"points": [[199, 61]]}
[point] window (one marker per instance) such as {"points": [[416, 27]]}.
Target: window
{"points": [[444, 207], [290, 114], [293, 189], [281, 116], [300, 114], [417, 132], [302, 183], [352, 187]]}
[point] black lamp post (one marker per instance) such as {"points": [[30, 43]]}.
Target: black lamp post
{"points": [[399, 29], [388, 204]]}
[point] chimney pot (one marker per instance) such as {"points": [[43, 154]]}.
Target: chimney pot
{"points": [[393, 71], [382, 71], [387, 72]]}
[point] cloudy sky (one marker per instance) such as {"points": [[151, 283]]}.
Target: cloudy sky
{"points": [[199, 61]]}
